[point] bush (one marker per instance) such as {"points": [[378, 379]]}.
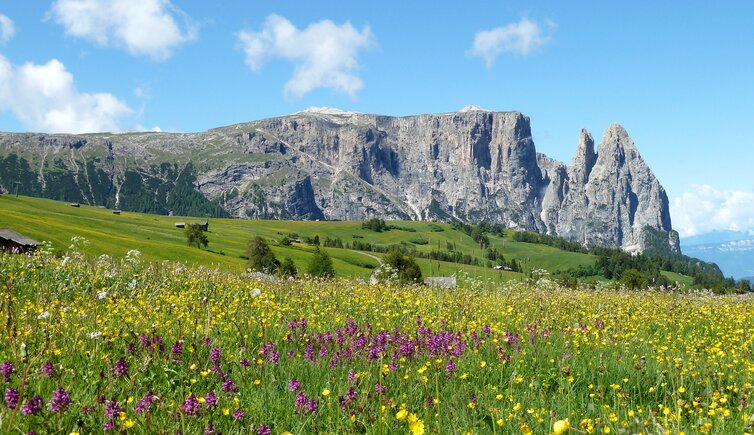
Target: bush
{"points": [[634, 279], [195, 236], [376, 225], [321, 265], [407, 268], [287, 268], [261, 257]]}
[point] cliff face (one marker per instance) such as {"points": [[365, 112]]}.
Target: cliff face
{"points": [[472, 165]]}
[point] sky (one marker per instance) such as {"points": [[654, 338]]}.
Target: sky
{"points": [[677, 74]]}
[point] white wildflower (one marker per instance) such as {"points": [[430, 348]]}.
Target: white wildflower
{"points": [[95, 334], [255, 292]]}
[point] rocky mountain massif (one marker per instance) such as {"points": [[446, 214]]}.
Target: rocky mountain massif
{"points": [[473, 165]]}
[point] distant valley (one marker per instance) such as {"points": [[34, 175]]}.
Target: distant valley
{"points": [[732, 251]]}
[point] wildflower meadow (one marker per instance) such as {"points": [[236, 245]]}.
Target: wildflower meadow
{"points": [[98, 345]]}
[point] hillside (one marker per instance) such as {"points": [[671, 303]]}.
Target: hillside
{"points": [[157, 239], [473, 166]]}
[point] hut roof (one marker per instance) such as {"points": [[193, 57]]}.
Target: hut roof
{"points": [[18, 238]]}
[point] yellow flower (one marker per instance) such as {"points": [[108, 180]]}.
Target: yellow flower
{"points": [[226, 411], [561, 426], [128, 424], [415, 425], [401, 415], [525, 429], [325, 392], [122, 416]]}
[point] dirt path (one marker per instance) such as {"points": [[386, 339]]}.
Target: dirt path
{"points": [[372, 256]]}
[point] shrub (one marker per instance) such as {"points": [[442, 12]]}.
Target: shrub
{"points": [[634, 279], [195, 236], [407, 268], [321, 265], [288, 268], [261, 257]]}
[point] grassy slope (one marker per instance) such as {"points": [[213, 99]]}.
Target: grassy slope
{"points": [[157, 239]]}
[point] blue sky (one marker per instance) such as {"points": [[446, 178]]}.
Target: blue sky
{"points": [[676, 74]]}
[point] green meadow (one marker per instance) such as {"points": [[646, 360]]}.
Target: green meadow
{"points": [[157, 238]]}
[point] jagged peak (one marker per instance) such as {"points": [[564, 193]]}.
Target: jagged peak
{"points": [[586, 144], [585, 157], [616, 138]]}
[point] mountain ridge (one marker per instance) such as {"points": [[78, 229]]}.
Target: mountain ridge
{"points": [[473, 165]]}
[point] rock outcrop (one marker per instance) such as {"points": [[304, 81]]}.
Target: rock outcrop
{"points": [[474, 165]]}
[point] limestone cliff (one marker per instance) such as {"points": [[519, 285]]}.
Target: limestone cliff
{"points": [[471, 165]]}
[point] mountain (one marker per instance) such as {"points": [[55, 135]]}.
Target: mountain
{"points": [[328, 164]]}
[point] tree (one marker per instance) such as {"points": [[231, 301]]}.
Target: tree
{"points": [[634, 279], [408, 269], [288, 268], [320, 265], [195, 236], [261, 257]]}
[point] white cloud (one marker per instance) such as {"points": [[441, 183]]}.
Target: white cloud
{"points": [[45, 99], [517, 38], [143, 27], [707, 209], [324, 53], [7, 29]]}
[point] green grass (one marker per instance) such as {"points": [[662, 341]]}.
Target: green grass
{"points": [[157, 239], [682, 280]]}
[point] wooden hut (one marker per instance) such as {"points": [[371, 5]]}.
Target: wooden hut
{"points": [[116, 211], [11, 241]]}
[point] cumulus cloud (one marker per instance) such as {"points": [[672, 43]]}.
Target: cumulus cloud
{"points": [[7, 29], [517, 38], [45, 99], [705, 209], [144, 27], [324, 53]]}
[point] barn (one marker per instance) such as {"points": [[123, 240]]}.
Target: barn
{"points": [[11, 241]]}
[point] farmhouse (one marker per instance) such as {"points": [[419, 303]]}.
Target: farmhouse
{"points": [[11, 241], [180, 224]]}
